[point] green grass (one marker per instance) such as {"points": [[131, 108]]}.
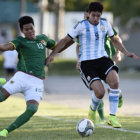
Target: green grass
{"points": [[62, 127]]}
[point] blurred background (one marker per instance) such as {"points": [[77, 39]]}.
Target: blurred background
{"points": [[56, 17]]}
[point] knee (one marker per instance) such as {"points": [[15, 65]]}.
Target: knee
{"points": [[32, 108], [100, 93], [113, 80]]}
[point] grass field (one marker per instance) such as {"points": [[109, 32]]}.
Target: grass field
{"points": [[53, 122]]}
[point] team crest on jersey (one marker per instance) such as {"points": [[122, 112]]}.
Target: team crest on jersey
{"points": [[43, 42], [102, 28]]}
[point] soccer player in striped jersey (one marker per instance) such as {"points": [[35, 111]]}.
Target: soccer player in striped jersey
{"points": [[114, 55], [95, 63], [30, 70]]}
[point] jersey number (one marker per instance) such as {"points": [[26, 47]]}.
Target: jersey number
{"points": [[96, 36], [40, 46]]}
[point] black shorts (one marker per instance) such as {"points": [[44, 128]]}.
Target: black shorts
{"points": [[97, 69]]}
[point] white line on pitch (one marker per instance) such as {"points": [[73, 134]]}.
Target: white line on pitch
{"points": [[103, 126]]}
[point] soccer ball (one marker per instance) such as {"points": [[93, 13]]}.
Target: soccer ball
{"points": [[85, 127]]}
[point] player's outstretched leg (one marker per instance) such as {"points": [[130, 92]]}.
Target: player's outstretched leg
{"points": [[3, 133], [101, 112], [22, 119]]}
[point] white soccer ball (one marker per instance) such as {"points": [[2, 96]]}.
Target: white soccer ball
{"points": [[85, 127]]}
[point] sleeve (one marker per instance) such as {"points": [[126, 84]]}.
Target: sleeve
{"points": [[75, 31], [15, 43], [50, 43], [110, 31]]}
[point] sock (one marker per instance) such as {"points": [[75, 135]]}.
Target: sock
{"points": [[114, 100], [120, 94], [0, 85], [2, 98], [95, 102], [23, 118], [101, 110]]}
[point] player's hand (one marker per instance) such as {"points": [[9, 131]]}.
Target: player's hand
{"points": [[117, 57], [49, 60], [133, 55], [78, 66]]}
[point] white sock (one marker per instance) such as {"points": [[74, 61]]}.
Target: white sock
{"points": [[114, 100], [95, 102]]}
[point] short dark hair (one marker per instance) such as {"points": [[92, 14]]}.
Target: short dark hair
{"points": [[25, 20], [96, 7]]}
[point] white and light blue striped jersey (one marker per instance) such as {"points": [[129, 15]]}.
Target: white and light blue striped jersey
{"points": [[91, 38]]}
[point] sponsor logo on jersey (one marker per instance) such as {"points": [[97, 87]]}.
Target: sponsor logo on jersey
{"points": [[43, 42]]}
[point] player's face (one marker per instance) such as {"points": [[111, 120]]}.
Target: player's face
{"points": [[94, 17], [29, 31]]}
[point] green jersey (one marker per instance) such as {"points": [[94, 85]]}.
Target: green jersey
{"points": [[32, 54], [109, 46]]}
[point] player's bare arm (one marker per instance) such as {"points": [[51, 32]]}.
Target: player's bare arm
{"points": [[62, 44], [117, 57], [118, 45], [66, 46], [77, 53], [6, 47]]}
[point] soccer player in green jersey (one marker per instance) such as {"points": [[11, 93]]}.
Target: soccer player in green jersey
{"points": [[30, 70]]}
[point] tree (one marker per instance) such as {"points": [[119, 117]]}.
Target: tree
{"points": [[125, 9], [78, 5]]}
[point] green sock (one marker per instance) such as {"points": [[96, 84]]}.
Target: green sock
{"points": [[2, 98], [101, 110], [120, 95], [23, 118], [0, 86]]}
